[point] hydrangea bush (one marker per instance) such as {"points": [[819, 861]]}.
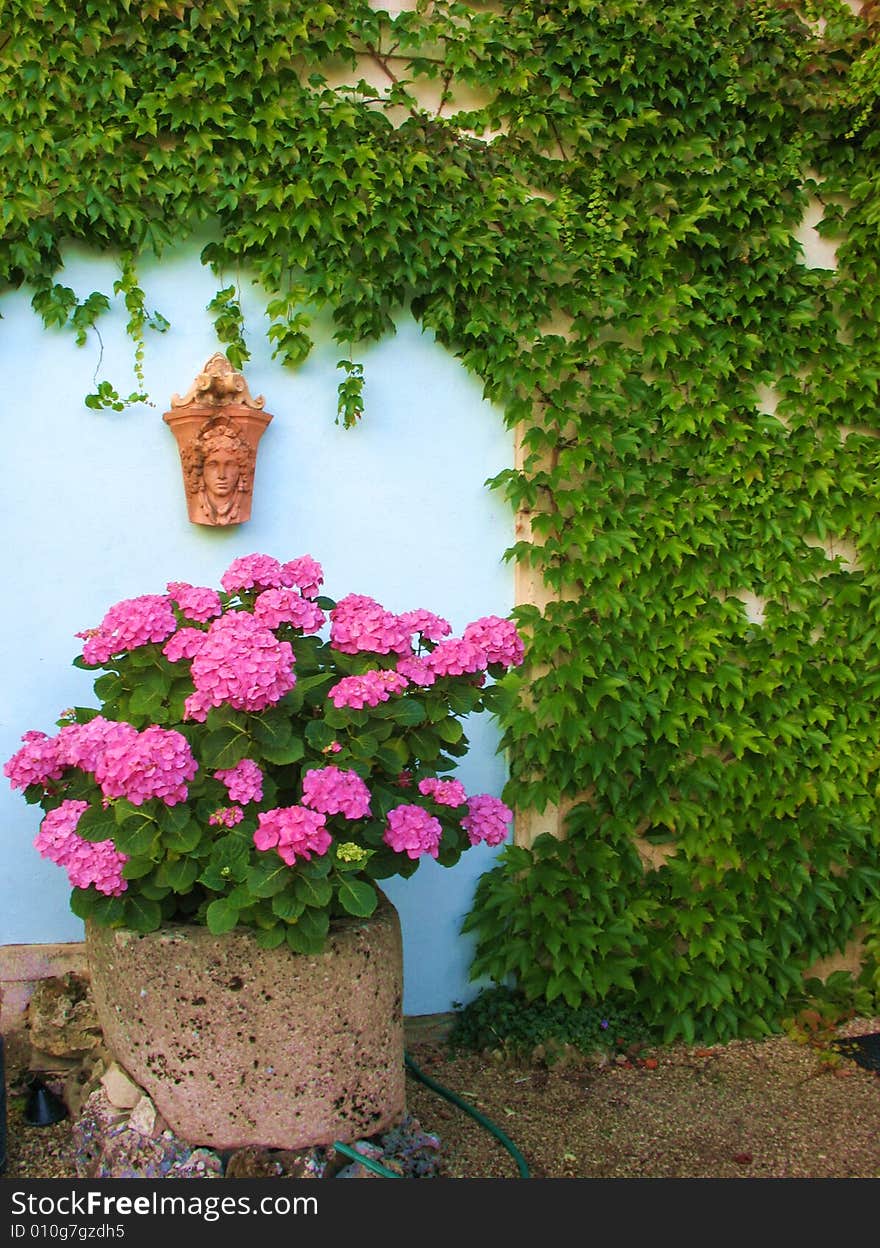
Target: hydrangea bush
{"points": [[262, 754]]}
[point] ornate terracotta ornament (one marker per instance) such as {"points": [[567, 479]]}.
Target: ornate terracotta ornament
{"points": [[217, 425]]}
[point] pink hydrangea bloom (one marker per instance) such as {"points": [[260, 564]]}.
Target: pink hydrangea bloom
{"points": [[368, 689], [429, 625], [252, 572], [294, 831], [196, 602], [417, 670], [184, 644], [242, 663], [444, 792], [82, 745], [360, 624], [286, 606], [499, 638], [35, 762], [244, 781], [336, 792], [86, 862], [488, 819], [305, 573], [411, 830], [457, 657], [157, 762], [226, 817], [129, 624]]}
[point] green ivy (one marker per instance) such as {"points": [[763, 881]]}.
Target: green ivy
{"points": [[597, 216]]}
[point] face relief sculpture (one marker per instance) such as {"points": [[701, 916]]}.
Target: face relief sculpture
{"points": [[220, 475]]}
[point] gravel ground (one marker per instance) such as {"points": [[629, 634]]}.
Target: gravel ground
{"points": [[774, 1108]]}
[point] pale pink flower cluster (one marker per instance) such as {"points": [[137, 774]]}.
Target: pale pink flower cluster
{"points": [[305, 573], [86, 862], [368, 689], [336, 792], [488, 819], [444, 792], [226, 817], [242, 663], [157, 762], [498, 638], [184, 644], [359, 623], [457, 657], [411, 830], [250, 572], [244, 781], [196, 602], [294, 831], [35, 762], [430, 626], [286, 606], [417, 670], [129, 624], [125, 763]]}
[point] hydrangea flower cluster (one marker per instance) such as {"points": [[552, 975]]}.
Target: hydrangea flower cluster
{"points": [[412, 831], [157, 762], [286, 606], [444, 792], [184, 644], [294, 831], [305, 573], [252, 572], [369, 689], [428, 625], [129, 624], [336, 792], [86, 862], [358, 623], [240, 662], [195, 602], [244, 781], [417, 670], [199, 759], [498, 639], [34, 762], [488, 819], [457, 657]]}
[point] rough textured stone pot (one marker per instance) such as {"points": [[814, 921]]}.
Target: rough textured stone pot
{"points": [[240, 1045]]}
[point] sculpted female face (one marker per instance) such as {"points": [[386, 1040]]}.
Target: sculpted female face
{"points": [[221, 471]]}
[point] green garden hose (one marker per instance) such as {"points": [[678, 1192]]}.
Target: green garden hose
{"points": [[365, 1161], [474, 1113], [490, 1126]]}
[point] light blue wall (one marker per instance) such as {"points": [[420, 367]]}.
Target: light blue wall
{"points": [[93, 511]]}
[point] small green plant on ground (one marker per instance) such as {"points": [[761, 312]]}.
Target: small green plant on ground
{"points": [[827, 1005], [502, 1019]]}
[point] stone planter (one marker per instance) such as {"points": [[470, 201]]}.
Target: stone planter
{"points": [[239, 1045]]}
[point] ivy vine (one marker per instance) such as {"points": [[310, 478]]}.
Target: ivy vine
{"points": [[597, 214]]}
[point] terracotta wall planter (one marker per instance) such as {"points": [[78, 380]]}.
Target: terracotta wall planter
{"points": [[217, 425], [240, 1045]]}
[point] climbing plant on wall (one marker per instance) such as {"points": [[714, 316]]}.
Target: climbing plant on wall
{"points": [[594, 206]]}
